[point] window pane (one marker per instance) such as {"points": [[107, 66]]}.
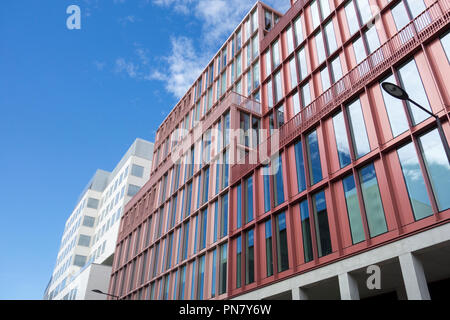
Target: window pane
{"points": [[321, 224], [315, 14], [293, 72], [341, 140], [302, 64], [437, 167], [320, 47], [266, 179], [395, 110], [296, 103], [301, 180], [269, 254], [238, 261], [239, 206], [223, 269], [249, 200], [414, 182], [364, 10], [325, 77], [282, 248], [306, 95], [276, 54], [360, 51], [373, 42], [278, 181], [250, 258], [353, 210], [331, 38], [445, 41], [372, 201], [290, 40], [137, 171], [325, 8], [412, 83], [358, 129], [315, 168], [337, 69], [352, 20], [306, 231], [298, 31], [278, 87]]}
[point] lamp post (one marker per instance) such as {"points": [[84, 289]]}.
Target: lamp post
{"points": [[106, 294], [399, 93]]}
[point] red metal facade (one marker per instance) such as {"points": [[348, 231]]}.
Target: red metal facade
{"points": [[419, 40]]}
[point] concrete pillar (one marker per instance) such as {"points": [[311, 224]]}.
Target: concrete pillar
{"points": [[348, 287], [414, 277], [299, 294]]}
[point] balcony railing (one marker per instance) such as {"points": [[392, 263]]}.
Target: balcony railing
{"points": [[435, 17]]}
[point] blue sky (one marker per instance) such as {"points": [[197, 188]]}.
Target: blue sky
{"points": [[73, 101]]}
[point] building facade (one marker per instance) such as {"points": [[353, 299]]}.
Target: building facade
{"points": [[305, 185], [87, 247]]}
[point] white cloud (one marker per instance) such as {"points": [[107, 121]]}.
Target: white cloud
{"points": [[99, 65], [218, 19], [129, 68], [184, 66]]}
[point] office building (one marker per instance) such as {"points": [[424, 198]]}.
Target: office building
{"points": [[308, 181]]}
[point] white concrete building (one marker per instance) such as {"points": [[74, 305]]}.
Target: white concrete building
{"points": [[88, 242]]}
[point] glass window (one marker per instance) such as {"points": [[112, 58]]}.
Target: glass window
{"points": [[331, 37], [321, 224], [201, 277], [301, 180], [268, 63], [239, 206], [79, 260], [415, 182], [340, 133], [256, 75], [324, 8], [269, 94], [224, 216], [360, 50], [364, 10], [315, 14], [92, 203], [306, 95], [314, 165], [88, 221], [132, 190], [412, 83], [352, 19], [336, 69], [249, 200], [306, 231], [372, 201], [278, 189], [373, 42], [269, 254], [325, 77], [353, 210], [204, 224], [276, 54], [296, 103], [293, 72], [302, 64], [437, 166], [266, 180], [84, 240], [320, 47], [223, 269], [250, 257], [395, 110], [238, 261], [137, 171], [445, 41], [278, 86], [213, 272], [298, 30], [290, 39], [282, 246], [358, 129]]}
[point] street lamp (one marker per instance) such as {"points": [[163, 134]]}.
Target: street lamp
{"points": [[399, 93], [106, 294]]}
